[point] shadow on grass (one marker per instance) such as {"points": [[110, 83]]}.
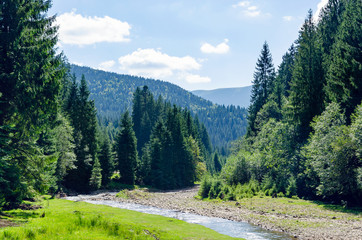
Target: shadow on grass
{"points": [[23, 215], [339, 208]]}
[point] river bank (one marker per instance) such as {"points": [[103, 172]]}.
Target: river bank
{"points": [[299, 218], [78, 220]]}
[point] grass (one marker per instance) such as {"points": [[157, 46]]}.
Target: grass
{"points": [[62, 219]]}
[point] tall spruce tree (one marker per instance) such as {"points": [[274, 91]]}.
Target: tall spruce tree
{"points": [[264, 77], [82, 114], [106, 161], [284, 76], [344, 75], [30, 73], [144, 115], [306, 96], [126, 151]]}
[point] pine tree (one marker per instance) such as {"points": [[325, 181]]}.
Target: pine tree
{"points": [[330, 20], [83, 119], [264, 77], [105, 159], [217, 164], [344, 76], [144, 115], [284, 76], [306, 97], [95, 180], [126, 151], [30, 73]]}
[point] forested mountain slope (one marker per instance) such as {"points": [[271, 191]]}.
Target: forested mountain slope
{"points": [[113, 95], [239, 96]]}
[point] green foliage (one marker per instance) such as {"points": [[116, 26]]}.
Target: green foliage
{"points": [[106, 161], [344, 81], [82, 115], [30, 74], [306, 96], [217, 164], [95, 180], [263, 84], [333, 156], [126, 151]]}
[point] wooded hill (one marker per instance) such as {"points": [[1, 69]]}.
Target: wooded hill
{"points": [[112, 94]]}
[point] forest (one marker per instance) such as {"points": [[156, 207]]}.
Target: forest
{"points": [[305, 120], [112, 94], [302, 137]]}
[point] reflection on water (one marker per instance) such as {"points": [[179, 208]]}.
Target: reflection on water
{"points": [[223, 226]]}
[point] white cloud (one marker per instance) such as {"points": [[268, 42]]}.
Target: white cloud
{"points": [[242, 4], [193, 78], [288, 18], [248, 9], [320, 6], [107, 65], [155, 64], [221, 48], [78, 30]]}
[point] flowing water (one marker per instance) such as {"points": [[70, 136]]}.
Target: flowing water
{"points": [[223, 226]]}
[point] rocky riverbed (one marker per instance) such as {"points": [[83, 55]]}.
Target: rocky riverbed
{"points": [[303, 221]]}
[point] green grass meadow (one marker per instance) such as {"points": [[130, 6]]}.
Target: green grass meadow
{"points": [[63, 219]]}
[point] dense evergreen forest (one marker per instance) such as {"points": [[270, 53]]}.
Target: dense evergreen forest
{"points": [[304, 133], [112, 94]]}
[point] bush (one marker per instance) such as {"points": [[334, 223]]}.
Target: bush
{"points": [[205, 187], [216, 188], [292, 187]]}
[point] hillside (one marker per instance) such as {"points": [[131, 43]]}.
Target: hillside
{"points": [[227, 96], [113, 94]]}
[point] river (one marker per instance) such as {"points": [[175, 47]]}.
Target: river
{"points": [[223, 226]]}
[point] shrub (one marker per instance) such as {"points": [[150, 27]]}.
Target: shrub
{"points": [[205, 187]]}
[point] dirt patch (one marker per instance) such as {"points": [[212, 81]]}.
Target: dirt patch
{"points": [[25, 206], [298, 220], [6, 223]]}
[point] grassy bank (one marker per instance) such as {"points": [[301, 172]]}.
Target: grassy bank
{"points": [[62, 219]]}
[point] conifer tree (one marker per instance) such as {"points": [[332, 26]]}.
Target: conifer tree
{"points": [[95, 180], [126, 151], [105, 159], [306, 97], [344, 76], [284, 76], [30, 73], [83, 119], [264, 77], [217, 164]]}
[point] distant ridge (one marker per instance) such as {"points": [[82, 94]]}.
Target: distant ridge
{"points": [[227, 96]]}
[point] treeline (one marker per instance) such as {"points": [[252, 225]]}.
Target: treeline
{"points": [[112, 94], [50, 137], [174, 148], [305, 120]]}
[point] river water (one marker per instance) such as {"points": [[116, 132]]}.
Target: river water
{"points": [[223, 226]]}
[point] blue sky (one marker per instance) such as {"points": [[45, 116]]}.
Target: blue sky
{"points": [[198, 44]]}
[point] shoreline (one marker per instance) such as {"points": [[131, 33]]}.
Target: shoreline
{"points": [[297, 223]]}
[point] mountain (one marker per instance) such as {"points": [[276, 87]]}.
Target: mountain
{"points": [[227, 96], [113, 93]]}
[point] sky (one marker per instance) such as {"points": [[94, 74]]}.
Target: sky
{"points": [[196, 44]]}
